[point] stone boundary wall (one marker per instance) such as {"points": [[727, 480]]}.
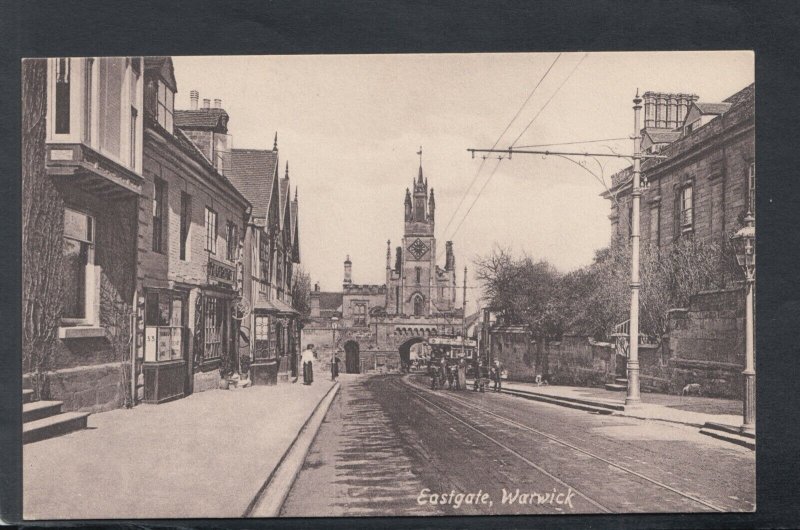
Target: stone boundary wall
{"points": [[93, 388], [704, 346]]}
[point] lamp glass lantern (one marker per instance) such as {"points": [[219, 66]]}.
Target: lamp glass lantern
{"points": [[744, 243]]}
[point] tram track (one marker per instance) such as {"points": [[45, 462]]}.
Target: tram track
{"points": [[423, 394]]}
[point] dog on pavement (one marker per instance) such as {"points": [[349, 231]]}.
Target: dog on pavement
{"points": [[692, 388]]}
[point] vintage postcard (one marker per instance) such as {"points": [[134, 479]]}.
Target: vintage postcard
{"points": [[388, 285]]}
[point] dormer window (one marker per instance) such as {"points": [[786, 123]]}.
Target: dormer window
{"points": [[165, 108]]}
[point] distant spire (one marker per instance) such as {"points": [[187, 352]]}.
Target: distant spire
{"points": [[295, 194], [287, 169], [275, 144], [420, 164]]}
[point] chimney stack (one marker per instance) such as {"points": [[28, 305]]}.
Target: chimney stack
{"points": [[217, 103], [193, 98], [450, 259], [206, 103], [314, 301], [348, 271]]}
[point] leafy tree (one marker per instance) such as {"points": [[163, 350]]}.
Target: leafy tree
{"points": [[301, 294]]}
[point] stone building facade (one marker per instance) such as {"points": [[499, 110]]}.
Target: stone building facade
{"points": [[704, 186], [374, 326], [93, 172]]}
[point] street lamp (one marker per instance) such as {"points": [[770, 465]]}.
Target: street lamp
{"points": [[334, 327], [744, 242]]}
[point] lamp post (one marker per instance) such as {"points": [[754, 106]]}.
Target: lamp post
{"points": [[334, 327], [744, 242]]}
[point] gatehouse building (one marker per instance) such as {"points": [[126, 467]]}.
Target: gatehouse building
{"points": [[373, 327]]}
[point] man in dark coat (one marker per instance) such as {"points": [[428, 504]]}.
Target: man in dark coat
{"points": [[498, 383]]}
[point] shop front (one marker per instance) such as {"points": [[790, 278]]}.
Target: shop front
{"points": [[215, 329], [165, 370], [274, 342]]}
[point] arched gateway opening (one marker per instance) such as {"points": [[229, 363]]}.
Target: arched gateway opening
{"points": [[405, 351], [352, 362]]}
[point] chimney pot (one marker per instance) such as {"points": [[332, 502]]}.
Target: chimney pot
{"points": [[217, 103], [193, 97], [206, 103]]}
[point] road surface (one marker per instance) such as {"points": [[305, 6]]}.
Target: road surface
{"points": [[390, 446]]}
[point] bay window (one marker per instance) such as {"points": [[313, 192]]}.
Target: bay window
{"points": [[165, 106], [111, 71], [62, 95]]}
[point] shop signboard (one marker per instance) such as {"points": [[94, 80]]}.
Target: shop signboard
{"points": [[221, 273]]}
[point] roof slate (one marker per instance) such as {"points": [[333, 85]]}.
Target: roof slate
{"points": [[252, 172], [665, 136], [200, 118], [713, 108], [329, 301]]}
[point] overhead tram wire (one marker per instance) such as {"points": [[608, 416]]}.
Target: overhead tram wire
{"points": [[572, 143], [483, 162], [515, 141], [585, 55]]}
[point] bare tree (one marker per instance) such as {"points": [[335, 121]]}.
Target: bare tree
{"points": [[43, 287]]}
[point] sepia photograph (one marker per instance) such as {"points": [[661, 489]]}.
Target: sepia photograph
{"points": [[367, 285]]}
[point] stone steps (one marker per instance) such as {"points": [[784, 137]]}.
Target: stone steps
{"points": [[620, 384], [36, 410], [730, 434], [43, 419], [52, 426], [563, 402]]}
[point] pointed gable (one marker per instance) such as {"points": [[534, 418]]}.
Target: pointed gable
{"points": [[295, 231], [254, 172], [284, 203], [162, 67]]}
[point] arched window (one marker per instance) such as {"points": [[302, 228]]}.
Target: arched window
{"points": [[419, 305]]}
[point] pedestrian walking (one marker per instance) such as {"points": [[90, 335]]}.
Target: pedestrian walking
{"points": [[307, 359], [433, 371], [498, 383], [334, 367], [462, 374]]}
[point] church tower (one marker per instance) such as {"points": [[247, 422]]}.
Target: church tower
{"points": [[424, 289]]}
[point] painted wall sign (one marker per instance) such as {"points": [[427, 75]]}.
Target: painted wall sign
{"points": [[219, 272]]}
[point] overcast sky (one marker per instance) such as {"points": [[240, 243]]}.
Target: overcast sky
{"points": [[350, 127]]}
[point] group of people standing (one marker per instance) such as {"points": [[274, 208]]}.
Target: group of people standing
{"points": [[455, 373]]}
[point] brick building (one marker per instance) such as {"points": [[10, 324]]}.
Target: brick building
{"points": [[191, 225], [93, 169]]}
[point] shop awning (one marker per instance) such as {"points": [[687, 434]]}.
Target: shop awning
{"points": [[274, 306]]}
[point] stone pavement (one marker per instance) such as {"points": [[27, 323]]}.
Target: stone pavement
{"points": [[206, 455], [688, 410]]}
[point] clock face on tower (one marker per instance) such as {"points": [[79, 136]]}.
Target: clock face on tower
{"points": [[418, 249]]}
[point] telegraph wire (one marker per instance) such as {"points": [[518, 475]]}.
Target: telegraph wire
{"points": [[475, 177]]}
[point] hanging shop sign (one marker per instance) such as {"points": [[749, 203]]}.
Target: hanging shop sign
{"points": [[452, 341], [221, 273]]}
